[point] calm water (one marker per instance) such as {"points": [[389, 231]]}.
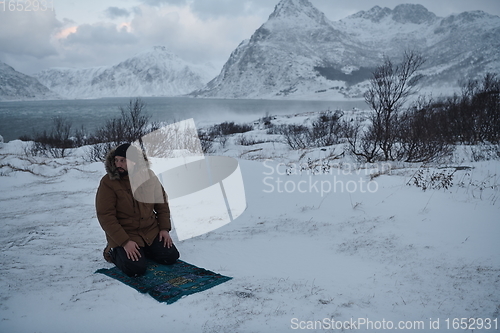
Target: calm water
{"points": [[26, 118]]}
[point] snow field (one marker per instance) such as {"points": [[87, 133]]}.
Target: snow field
{"points": [[398, 254]]}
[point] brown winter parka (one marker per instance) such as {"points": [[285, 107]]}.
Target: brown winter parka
{"points": [[125, 217]]}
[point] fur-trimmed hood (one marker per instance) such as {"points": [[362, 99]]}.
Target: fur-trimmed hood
{"points": [[109, 164]]}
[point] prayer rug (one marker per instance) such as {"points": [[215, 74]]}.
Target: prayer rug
{"points": [[168, 283]]}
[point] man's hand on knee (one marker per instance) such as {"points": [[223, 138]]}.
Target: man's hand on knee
{"points": [[165, 237], [132, 250]]}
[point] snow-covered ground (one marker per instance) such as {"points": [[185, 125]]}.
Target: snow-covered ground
{"points": [[373, 250]]}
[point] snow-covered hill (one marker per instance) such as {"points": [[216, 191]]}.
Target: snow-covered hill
{"points": [[16, 86], [155, 72], [298, 52]]}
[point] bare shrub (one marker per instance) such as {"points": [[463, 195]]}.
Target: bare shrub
{"points": [[326, 129], [426, 179], [53, 143], [267, 120], [473, 117], [420, 136], [206, 142], [390, 87], [97, 152], [244, 140], [131, 126], [135, 120], [223, 141], [296, 136], [485, 152], [276, 129], [228, 128], [361, 142]]}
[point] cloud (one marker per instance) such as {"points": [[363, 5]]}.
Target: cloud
{"points": [[100, 33], [115, 12], [227, 8], [92, 45], [64, 33], [163, 2], [28, 33], [183, 32], [196, 31]]}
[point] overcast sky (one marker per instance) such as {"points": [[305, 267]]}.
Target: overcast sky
{"points": [[86, 33]]}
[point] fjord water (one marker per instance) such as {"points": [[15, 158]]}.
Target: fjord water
{"points": [[29, 117]]}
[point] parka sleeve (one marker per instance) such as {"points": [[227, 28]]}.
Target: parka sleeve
{"points": [[106, 214], [162, 208]]}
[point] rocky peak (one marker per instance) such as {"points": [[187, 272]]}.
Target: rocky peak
{"points": [[406, 13], [156, 52], [159, 48], [4, 68], [295, 9], [375, 14], [473, 16], [410, 13]]}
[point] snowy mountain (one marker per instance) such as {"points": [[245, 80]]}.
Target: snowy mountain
{"points": [[298, 52], [280, 57], [456, 48], [18, 86], [155, 72]]}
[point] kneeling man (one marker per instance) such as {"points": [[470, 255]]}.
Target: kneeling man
{"points": [[133, 211]]}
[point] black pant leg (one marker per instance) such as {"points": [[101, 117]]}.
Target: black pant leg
{"points": [[162, 254], [127, 266]]}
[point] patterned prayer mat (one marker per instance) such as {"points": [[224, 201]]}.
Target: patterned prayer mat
{"points": [[168, 283]]}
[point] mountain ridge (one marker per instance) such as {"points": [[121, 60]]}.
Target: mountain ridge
{"points": [[153, 72], [15, 86], [297, 53], [335, 59], [404, 13]]}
